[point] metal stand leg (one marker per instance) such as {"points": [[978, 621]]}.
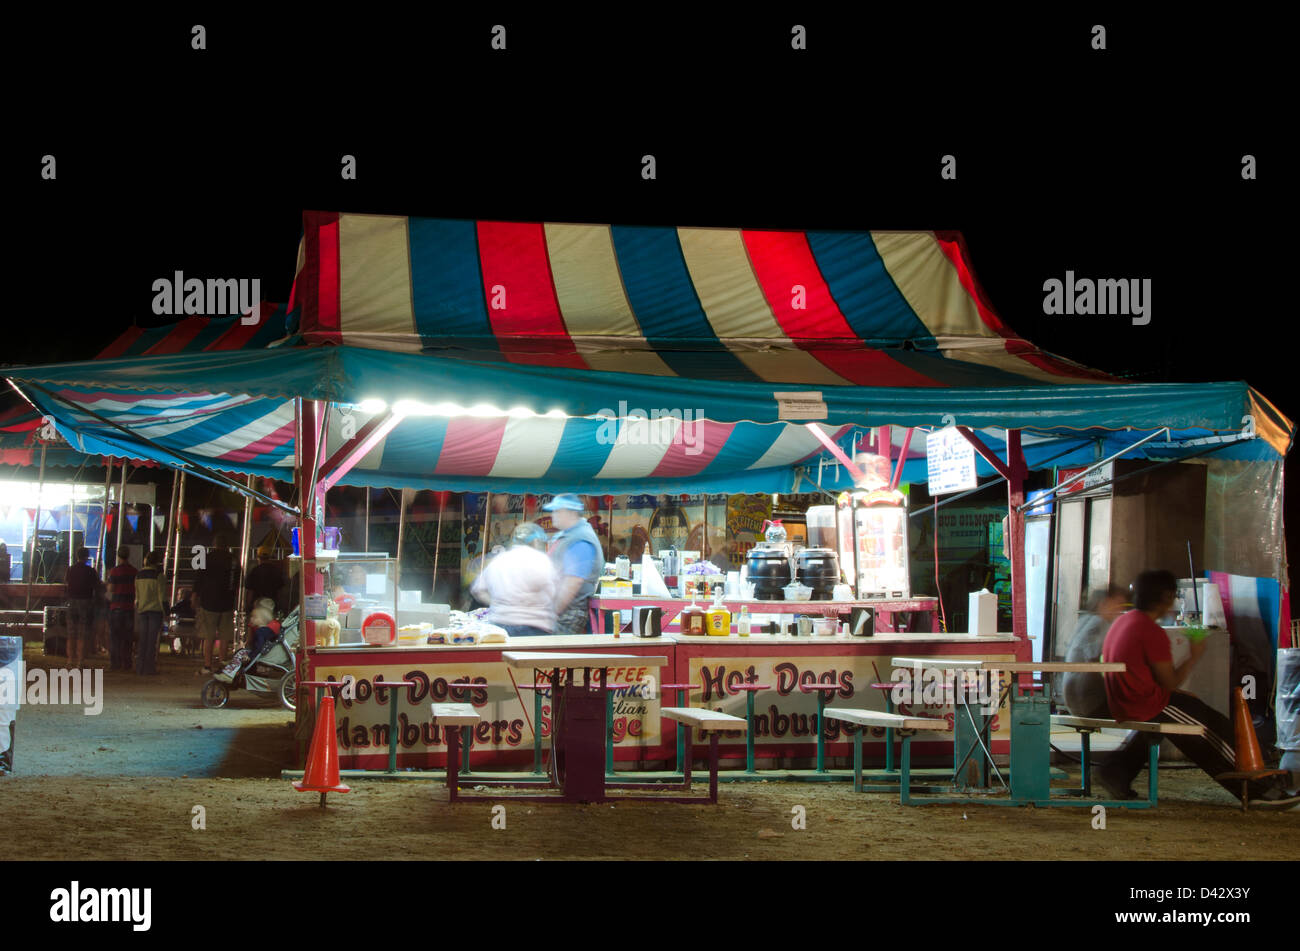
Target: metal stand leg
{"points": [[690, 754], [392, 729], [905, 781], [857, 759], [1154, 758], [537, 732], [713, 767], [681, 740], [889, 736], [468, 740], [453, 761], [609, 732], [749, 733], [821, 732], [1085, 739]]}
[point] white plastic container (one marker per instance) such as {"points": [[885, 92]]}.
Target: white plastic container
{"points": [[983, 612]]}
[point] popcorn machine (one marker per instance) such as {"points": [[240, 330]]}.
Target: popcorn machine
{"points": [[873, 542]]}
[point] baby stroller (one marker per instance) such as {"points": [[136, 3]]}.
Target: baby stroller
{"points": [[271, 674]]}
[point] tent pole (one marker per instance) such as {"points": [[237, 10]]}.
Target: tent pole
{"points": [[401, 531], [31, 559], [365, 545], [487, 523], [437, 545], [176, 539], [171, 517], [245, 537], [103, 518], [121, 509], [1016, 473]]}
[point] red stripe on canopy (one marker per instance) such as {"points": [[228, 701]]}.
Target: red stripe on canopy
{"points": [[515, 265], [268, 443], [953, 246], [706, 440], [781, 260], [471, 446], [123, 343], [180, 336]]}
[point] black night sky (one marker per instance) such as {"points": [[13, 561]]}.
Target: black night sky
{"points": [[1124, 163]]}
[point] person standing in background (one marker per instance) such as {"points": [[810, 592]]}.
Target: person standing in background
{"points": [[264, 581], [81, 587], [148, 613], [121, 611], [1085, 693], [216, 592], [519, 585], [579, 561]]}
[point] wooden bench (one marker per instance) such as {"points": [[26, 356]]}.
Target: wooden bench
{"points": [[712, 722], [451, 717], [1086, 726], [904, 725]]}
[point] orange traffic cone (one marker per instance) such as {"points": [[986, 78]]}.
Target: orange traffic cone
{"points": [[322, 772], [1250, 761]]}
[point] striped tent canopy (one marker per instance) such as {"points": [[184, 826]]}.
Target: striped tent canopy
{"points": [[549, 338], [261, 327], [824, 308]]}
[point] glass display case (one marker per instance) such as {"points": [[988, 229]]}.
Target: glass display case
{"points": [[873, 543]]}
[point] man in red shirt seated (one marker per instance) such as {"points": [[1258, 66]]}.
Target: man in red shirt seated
{"points": [[1148, 690]]}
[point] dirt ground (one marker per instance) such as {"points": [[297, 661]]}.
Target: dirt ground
{"points": [[124, 784]]}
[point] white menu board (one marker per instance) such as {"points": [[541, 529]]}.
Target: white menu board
{"points": [[950, 462]]}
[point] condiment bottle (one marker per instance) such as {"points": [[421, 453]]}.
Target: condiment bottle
{"points": [[718, 618], [742, 621], [691, 621]]}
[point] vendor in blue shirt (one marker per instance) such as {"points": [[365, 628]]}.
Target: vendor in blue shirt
{"points": [[579, 560]]}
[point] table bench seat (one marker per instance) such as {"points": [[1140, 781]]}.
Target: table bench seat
{"points": [[1096, 723], [704, 720], [455, 714], [895, 721]]}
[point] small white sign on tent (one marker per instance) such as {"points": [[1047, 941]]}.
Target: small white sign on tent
{"points": [[950, 462]]}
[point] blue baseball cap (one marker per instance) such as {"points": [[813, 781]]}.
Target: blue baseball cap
{"points": [[566, 500]]}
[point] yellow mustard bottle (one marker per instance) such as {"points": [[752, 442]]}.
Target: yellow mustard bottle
{"points": [[717, 619]]}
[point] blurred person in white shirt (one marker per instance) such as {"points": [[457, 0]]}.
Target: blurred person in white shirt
{"points": [[519, 585]]}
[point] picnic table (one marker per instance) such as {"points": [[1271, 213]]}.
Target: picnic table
{"points": [[578, 737], [1030, 765]]}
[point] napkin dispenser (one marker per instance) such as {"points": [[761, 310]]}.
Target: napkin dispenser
{"points": [[647, 621]]}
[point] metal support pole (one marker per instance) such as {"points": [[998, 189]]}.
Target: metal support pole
{"points": [[171, 518], [749, 732], [36, 529], [365, 545], [1016, 547], [176, 538], [437, 548], [121, 510], [103, 520], [401, 531], [245, 537]]}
